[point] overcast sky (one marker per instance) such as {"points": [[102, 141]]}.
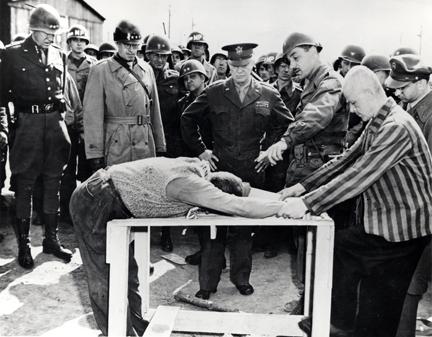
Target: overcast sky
{"points": [[380, 26]]}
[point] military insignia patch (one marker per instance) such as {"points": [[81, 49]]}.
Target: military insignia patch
{"points": [[239, 50]]}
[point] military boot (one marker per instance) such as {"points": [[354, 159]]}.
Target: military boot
{"points": [[25, 259], [51, 244], [166, 242]]}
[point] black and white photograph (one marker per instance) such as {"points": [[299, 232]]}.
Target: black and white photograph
{"points": [[203, 168]]}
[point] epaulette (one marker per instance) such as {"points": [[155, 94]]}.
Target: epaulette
{"points": [[15, 44], [56, 46]]}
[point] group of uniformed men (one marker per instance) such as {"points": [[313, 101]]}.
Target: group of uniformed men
{"points": [[272, 123]]}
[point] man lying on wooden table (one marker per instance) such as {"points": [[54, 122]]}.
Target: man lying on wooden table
{"points": [[150, 188]]}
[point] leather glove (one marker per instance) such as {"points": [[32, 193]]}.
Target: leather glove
{"points": [[96, 164]]}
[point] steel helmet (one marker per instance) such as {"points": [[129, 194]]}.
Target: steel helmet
{"points": [[376, 62], [213, 58], [270, 58], [192, 66], [127, 32], [353, 54], [158, 44], [404, 51], [45, 18], [281, 58], [79, 32], [297, 40], [107, 48], [196, 37]]}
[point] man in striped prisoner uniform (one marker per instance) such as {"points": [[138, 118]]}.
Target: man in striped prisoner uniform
{"points": [[390, 167]]}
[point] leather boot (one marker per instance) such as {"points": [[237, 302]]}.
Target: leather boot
{"points": [[25, 259], [166, 242], [51, 244]]}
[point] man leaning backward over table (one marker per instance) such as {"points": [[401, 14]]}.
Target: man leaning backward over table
{"points": [[149, 188]]}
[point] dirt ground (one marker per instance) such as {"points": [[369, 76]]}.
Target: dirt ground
{"points": [[52, 299]]}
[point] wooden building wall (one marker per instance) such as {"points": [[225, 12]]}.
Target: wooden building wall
{"points": [[71, 11]]}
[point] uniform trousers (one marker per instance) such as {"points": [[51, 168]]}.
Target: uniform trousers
{"points": [[40, 148], [370, 279], [92, 205], [212, 255]]}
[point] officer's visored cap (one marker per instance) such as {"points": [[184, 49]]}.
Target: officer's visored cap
{"points": [[127, 32], [240, 53], [405, 69]]}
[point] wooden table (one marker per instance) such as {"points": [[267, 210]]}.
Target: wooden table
{"points": [[319, 267]]}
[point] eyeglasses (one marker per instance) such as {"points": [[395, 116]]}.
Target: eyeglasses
{"points": [[131, 46]]}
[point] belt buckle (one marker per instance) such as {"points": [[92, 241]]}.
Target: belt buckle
{"points": [[48, 107], [35, 109]]}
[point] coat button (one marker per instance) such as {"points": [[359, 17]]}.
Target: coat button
{"points": [[47, 79], [49, 88], [23, 69], [46, 69], [49, 98]]}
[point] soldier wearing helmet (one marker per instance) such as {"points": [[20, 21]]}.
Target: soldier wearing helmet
{"points": [[351, 56], [106, 50], [262, 69], [244, 115], [220, 62], [269, 63], [409, 77], [122, 123], [34, 78], [91, 50], [404, 51], [158, 50], [320, 126], [198, 46], [290, 92], [379, 64], [78, 65], [176, 56]]}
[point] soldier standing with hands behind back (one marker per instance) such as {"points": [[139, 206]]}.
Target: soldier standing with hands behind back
{"points": [[33, 78]]}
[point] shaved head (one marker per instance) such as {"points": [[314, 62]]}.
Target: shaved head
{"points": [[363, 92], [360, 78]]}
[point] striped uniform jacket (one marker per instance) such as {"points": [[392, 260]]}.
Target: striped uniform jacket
{"points": [[390, 167]]}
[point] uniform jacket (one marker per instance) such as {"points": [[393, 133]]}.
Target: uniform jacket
{"points": [[238, 128], [169, 93], [80, 74], [321, 120], [40, 141], [390, 167], [26, 81], [114, 103], [290, 95], [422, 113]]}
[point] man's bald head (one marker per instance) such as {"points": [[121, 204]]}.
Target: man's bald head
{"points": [[364, 92]]}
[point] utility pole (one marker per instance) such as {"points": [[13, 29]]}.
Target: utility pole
{"points": [[169, 21], [420, 36]]}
